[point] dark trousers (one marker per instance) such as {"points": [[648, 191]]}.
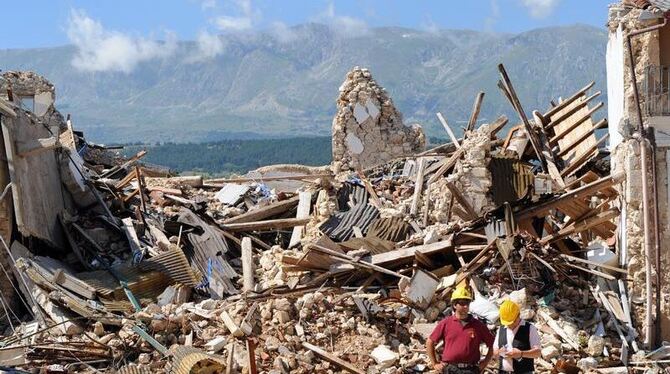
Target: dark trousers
{"points": [[453, 369]]}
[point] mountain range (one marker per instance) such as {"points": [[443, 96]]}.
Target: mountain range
{"points": [[262, 86]]}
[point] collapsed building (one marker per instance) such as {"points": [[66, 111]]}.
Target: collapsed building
{"points": [[109, 263]]}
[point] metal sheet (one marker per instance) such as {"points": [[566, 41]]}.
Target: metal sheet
{"points": [[351, 194], [511, 179], [339, 226], [174, 264], [190, 360], [207, 252], [394, 229]]}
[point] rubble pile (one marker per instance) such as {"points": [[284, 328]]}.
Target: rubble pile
{"points": [[290, 269]]}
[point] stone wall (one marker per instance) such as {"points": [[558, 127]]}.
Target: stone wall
{"points": [[368, 130], [626, 158], [29, 84], [471, 176]]}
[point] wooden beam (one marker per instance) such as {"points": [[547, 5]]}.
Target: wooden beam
{"points": [[7, 109], [272, 224], [497, 125], [554, 140], [374, 199], [594, 272], [357, 262], [408, 254], [586, 156], [565, 150], [519, 109], [547, 152], [451, 134], [140, 187], [476, 107], [574, 110], [333, 359], [181, 200], [131, 235], [579, 193], [262, 179], [447, 165], [581, 226], [251, 356], [462, 200], [418, 187], [568, 101], [304, 205], [171, 191], [505, 92], [589, 262], [259, 214], [127, 179]]}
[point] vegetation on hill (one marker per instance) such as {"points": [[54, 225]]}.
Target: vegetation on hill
{"points": [[236, 156]]}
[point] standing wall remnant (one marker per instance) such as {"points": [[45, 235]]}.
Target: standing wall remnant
{"points": [[649, 54], [368, 130]]}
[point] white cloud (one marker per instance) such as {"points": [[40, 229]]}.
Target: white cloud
{"points": [[106, 50], [208, 4], [227, 23], [209, 46], [245, 17], [540, 8], [282, 32], [343, 25]]}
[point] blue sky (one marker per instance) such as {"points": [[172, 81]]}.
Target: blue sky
{"points": [[46, 23]]}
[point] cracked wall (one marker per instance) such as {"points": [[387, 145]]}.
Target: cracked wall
{"points": [[626, 158], [368, 130]]}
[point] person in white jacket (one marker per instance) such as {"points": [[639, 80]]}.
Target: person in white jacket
{"points": [[517, 341]]}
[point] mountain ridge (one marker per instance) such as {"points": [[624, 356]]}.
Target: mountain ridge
{"points": [[263, 87]]}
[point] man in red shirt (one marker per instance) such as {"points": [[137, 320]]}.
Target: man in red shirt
{"points": [[462, 334]]}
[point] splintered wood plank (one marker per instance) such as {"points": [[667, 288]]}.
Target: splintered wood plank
{"points": [[462, 200], [418, 187], [333, 359], [451, 134], [305, 202], [476, 107], [272, 224], [580, 131], [581, 159], [268, 211], [451, 161], [547, 152], [569, 100]]}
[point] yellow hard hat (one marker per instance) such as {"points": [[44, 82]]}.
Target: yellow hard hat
{"points": [[509, 312], [461, 293]]}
